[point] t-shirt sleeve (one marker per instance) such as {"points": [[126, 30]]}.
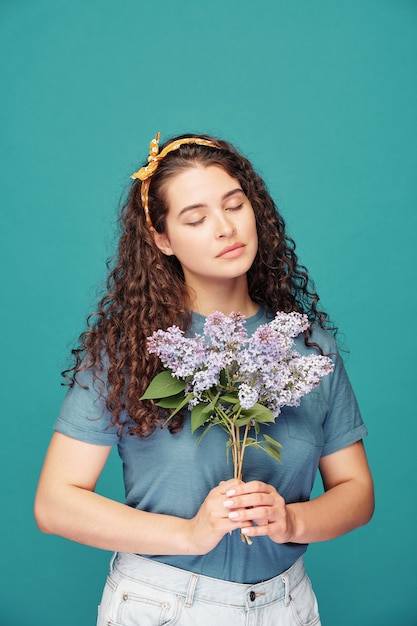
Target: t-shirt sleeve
{"points": [[83, 413], [343, 424]]}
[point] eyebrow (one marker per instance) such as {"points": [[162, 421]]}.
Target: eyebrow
{"points": [[200, 205]]}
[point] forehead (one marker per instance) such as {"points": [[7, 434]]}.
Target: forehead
{"points": [[199, 184]]}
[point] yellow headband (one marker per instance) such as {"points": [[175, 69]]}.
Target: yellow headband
{"points": [[155, 157]]}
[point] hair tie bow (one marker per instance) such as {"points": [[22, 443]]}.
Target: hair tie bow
{"points": [[155, 157]]}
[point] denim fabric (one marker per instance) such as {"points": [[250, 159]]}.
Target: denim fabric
{"points": [[142, 592]]}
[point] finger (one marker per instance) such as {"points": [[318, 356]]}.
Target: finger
{"points": [[254, 486], [276, 534], [261, 514], [253, 500], [255, 531], [229, 485]]}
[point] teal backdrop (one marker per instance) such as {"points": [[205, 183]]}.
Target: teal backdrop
{"points": [[322, 97]]}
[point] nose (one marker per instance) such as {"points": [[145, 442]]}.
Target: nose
{"points": [[225, 226]]}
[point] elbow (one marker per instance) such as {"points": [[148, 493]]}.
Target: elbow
{"points": [[368, 507], [371, 511], [43, 515]]}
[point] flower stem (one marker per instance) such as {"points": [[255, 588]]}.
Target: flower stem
{"points": [[242, 451], [236, 456], [238, 450]]}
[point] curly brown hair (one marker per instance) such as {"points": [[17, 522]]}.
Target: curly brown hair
{"points": [[146, 290]]}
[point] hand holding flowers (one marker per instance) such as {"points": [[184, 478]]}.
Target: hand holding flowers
{"points": [[239, 383]]}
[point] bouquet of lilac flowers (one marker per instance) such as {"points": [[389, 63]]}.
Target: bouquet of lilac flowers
{"points": [[228, 379]]}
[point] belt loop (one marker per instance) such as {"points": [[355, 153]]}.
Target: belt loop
{"points": [[191, 589], [112, 560], [287, 597]]}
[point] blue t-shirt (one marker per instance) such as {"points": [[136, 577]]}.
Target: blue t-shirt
{"points": [[172, 474]]}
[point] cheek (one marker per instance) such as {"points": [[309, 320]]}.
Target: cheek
{"points": [[254, 232], [255, 244], [186, 249]]}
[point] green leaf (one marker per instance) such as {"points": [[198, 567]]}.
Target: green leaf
{"points": [[210, 407], [272, 447], [242, 421], [166, 403], [163, 386], [268, 445], [253, 443], [259, 413], [199, 415], [223, 378], [171, 402], [205, 431], [229, 398], [273, 442], [272, 451]]}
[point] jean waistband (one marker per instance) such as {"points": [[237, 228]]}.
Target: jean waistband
{"points": [[198, 587]]}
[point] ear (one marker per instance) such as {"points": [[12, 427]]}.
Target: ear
{"points": [[162, 242]]}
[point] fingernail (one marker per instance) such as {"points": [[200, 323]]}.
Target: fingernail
{"points": [[233, 515], [231, 492], [228, 503]]}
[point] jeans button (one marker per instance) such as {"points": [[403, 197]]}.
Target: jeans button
{"points": [[252, 596]]}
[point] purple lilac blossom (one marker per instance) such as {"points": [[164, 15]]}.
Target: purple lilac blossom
{"points": [[248, 396], [226, 332], [263, 367], [182, 355], [290, 324]]}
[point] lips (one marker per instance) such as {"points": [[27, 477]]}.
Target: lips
{"points": [[232, 251]]}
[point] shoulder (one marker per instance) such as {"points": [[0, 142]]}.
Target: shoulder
{"points": [[84, 414], [318, 336]]}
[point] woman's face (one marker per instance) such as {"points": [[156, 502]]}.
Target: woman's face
{"points": [[210, 226]]}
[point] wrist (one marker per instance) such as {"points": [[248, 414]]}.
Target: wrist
{"points": [[169, 535], [295, 523], [185, 537], [188, 538]]}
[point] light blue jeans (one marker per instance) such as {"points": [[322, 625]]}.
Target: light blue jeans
{"points": [[142, 592]]}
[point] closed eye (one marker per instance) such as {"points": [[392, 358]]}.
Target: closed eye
{"points": [[234, 208], [196, 222]]}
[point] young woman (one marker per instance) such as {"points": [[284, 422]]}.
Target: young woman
{"points": [[200, 233]]}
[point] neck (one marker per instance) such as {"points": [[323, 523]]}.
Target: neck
{"points": [[225, 298]]}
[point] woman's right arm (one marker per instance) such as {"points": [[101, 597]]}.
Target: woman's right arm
{"points": [[67, 505]]}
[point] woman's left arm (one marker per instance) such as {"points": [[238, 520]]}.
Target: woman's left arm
{"points": [[348, 502]]}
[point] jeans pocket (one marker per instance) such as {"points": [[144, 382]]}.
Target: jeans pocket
{"points": [[303, 603], [139, 609], [130, 603]]}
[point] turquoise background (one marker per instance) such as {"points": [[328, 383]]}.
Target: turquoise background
{"points": [[322, 97]]}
